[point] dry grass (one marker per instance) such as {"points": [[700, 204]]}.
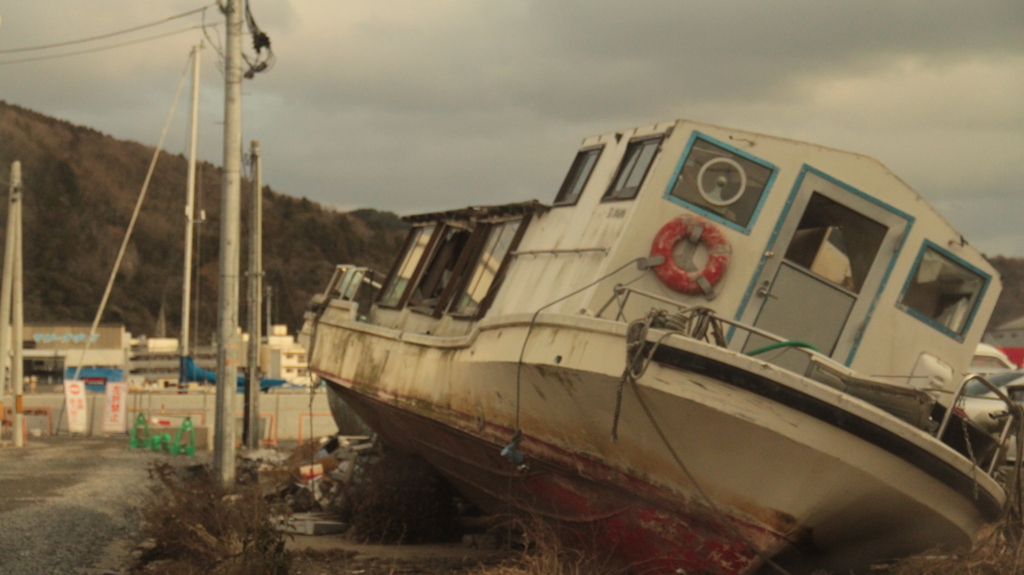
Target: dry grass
{"points": [[199, 528], [400, 499], [998, 551], [545, 554]]}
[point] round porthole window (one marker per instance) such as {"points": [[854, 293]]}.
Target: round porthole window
{"points": [[721, 181]]}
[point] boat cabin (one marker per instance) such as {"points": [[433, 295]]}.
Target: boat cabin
{"points": [[822, 248]]}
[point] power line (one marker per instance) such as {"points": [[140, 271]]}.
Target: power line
{"points": [[103, 48], [108, 35]]}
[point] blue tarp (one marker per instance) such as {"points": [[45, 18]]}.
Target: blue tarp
{"points": [[111, 374], [193, 372]]}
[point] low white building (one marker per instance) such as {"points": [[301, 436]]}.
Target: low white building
{"points": [[282, 357], [52, 352]]}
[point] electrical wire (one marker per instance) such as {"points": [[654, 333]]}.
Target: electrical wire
{"points": [[260, 42], [107, 35], [214, 44], [102, 48]]}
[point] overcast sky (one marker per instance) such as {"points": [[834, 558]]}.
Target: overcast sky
{"points": [[420, 105]]}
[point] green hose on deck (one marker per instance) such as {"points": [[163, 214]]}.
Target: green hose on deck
{"points": [[781, 344]]}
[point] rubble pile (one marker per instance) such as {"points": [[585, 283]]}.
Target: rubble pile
{"points": [[351, 484]]}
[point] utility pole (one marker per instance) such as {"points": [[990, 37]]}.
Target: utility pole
{"points": [[18, 305], [252, 390], [14, 197], [12, 282], [230, 220], [190, 198]]}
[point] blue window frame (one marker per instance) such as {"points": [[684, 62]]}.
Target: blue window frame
{"points": [[943, 291], [721, 182]]}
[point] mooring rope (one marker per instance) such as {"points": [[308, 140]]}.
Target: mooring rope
{"points": [[637, 363]]}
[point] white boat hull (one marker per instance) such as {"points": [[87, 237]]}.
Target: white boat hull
{"points": [[803, 472]]}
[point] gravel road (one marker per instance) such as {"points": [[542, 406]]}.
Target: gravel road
{"points": [[69, 505]]}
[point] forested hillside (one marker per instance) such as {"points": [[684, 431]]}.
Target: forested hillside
{"points": [[80, 189]]}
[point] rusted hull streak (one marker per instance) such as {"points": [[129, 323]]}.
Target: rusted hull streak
{"points": [[649, 537]]}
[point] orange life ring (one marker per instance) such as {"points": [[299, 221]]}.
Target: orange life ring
{"points": [[696, 230]]}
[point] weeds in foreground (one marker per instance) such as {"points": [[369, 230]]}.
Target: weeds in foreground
{"points": [[998, 551], [544, 554], [198, 528], [401, 499]]}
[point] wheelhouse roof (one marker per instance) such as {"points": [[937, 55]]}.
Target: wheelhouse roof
{"points": [[479, 212]]}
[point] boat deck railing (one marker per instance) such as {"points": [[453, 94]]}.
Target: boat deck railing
{"points": [[1013, 414], [622, 293]]}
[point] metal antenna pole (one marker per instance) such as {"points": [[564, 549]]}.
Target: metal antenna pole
{"points": [[252, 391], [190, 199], [14, 196], [230, 223], [18, 309], [131, 227]]}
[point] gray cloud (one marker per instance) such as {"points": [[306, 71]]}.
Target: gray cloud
{"points": [[415, 106]]}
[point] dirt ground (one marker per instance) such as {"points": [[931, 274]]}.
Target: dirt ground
{"points": [[70, 506], [330, 555]]}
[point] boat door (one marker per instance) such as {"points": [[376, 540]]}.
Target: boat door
{"points": [[822, 272]]}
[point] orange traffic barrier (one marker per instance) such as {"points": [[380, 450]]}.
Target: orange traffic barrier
{"points": [[311, 416], [173, 413], [42, 412], [271, 430], [8, 421]]}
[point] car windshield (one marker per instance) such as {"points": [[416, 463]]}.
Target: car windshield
{"points": [[1000, 380]]}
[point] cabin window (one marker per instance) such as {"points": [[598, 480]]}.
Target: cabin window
{"points": [[577, 177], [488, 265], [836, 243], [635, 164], [721, 182], [439, 272], [943, 290], [416, 246]]}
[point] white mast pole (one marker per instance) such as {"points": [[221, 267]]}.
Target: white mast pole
{"points": [[18, 305], [252, 392], [8, 278], [190, 198], [230, 218]]}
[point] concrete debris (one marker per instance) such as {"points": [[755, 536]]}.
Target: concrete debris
{"points": [[313, 481], [313, 524], [264, 454]]}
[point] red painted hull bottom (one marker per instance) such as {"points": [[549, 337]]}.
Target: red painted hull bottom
{"points": [[646, 529]]}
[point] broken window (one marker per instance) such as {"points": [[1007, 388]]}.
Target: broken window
{"points": [[721, 182], [635, 164], [416, 246], [943, 291], [438, 273], [836, 243], [483, 275], [577, 177]]}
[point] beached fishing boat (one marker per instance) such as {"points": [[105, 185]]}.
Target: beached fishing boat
{"points": [[715, 352]]}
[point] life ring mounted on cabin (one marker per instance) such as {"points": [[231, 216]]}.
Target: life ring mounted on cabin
{"points": [[695, 230]]}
